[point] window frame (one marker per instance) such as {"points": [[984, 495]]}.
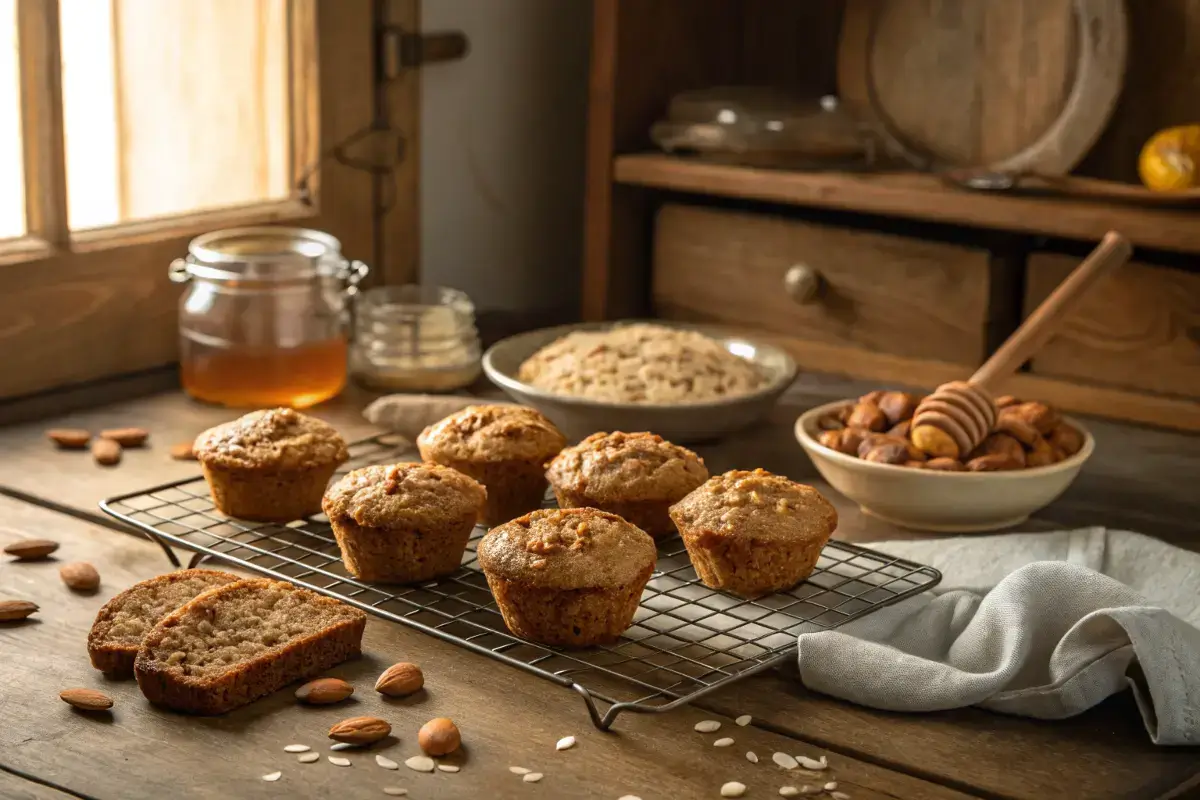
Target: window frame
{"points": [[76, 307]]}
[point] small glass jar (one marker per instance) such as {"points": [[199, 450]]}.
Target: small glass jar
{"points": [[415, 339], [264, 321]]}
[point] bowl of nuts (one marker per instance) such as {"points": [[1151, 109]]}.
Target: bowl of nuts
{"points": [[862, 448]]}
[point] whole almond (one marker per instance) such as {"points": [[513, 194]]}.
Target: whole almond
{"points": [[13, 610], [80, 576], [183, 452], [30, 549], [126, 437], [324, 691], [86, 699], [400, 679], [360, 730], [439, 737], [106, 452], [69, 438]]}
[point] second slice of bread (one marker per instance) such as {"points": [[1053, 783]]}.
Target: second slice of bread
{"points": [[117, 632], [241, 641]]}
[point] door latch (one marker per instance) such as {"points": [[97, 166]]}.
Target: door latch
{"points": [[402, 50]]}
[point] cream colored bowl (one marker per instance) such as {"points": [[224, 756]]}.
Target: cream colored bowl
{"points": [[943, 502]]}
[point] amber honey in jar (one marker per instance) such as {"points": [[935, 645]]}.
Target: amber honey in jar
{"points": [[264, 321]]}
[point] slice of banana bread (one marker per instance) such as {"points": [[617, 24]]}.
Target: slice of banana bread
{"points": [[241, 641], [117, 632]]}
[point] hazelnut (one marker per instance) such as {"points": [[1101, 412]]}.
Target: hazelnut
{"points": [[934, 441], [887, 453], [845, 441], [867, 415], [439, 737], [831, 439], [1066, 438], [1016, 426], [900, 429], [852, 438], [945, 465], [1040, 454], [400, 679], [1006, 400], [1000, 444], [873, 397], [1039, 415], [830, 423], [995, 462], [897, 406]]}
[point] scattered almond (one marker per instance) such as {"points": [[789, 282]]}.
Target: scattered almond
{"points": [[394, 791], [839, 796], [400, 679], [86, 699], [707, 726], [324, 691], [386, 762], [785, 761], [271, 777], [308, 758], [829, 787], [296, 748], [733, 789], [565, 743], [439, 737], [340, 746], [360, 730], [533, 777], [13, 610], [812, 763], [183, 452], [69, 438], [420, 763], [338, 761], [30, 549], [752, 757], [80, 576], [448, 767], [724, 742], [789, 791], [106, 452], [744, 720], [126, 437], [519, 770]]}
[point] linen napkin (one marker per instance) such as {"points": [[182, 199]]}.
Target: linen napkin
{"points": [[1037, 625]]}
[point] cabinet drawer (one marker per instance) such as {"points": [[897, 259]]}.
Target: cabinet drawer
{"points": [[878, 292], [1140, 329]]}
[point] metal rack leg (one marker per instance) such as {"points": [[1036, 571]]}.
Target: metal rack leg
{"points": [[174, 559], [197, 559]]}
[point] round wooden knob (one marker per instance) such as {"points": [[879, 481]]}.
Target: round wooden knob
{"points": [[803, 283]]}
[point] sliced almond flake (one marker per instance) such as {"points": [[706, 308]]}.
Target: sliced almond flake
{"points": [[519, 770], [532, 777], [707, 726], [565, 743], [752, 757], [449, 767], [386, 762], [340, 746], [338, 761], [394, 791], [272, 776], [724, 742], [744, 720], [420, 763], [788, 791], [806, 789], [784, 760], [733, 789], [829, 787], [308, 758], [297, 748], [813, 764], [839, 796], [629, 797]]}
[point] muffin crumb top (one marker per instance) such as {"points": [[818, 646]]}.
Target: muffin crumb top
{"points": [[404, 494], [277, 438], [756, 504], [573, 548], [627, 466], [492, 433]]}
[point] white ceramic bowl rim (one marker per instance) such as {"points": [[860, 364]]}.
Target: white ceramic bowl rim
{"points": [[774, 386], [809, 417]]}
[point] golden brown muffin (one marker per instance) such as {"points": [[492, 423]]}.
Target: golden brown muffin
{"points": [[270, 466], [405, 522], [503, 447], [751, 533], [638, 476], [567, 577]]}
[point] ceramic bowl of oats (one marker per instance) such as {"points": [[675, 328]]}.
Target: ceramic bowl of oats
{"points": [[686, 383]]}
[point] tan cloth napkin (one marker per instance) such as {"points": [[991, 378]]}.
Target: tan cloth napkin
{"points": [[409, 414]]}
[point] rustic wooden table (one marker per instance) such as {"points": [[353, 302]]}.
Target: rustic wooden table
{"points": [[1139, 479]]}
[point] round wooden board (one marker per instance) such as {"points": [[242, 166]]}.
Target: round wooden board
{"points": [[1019, 85]]}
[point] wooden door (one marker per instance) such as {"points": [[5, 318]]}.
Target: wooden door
{"points": [[143, 123]]}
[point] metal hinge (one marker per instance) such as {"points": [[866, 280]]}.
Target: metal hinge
{"points": [[401, 50]]}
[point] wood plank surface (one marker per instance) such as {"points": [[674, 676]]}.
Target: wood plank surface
{"points": [[15, 787], [914, 196], [880, 292], [507, 717], [1138, 329]]}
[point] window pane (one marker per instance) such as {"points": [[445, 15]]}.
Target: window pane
{"points": [[173, 106], [12, 179]]}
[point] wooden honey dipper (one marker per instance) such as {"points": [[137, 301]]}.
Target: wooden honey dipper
{"points": [[953, 420]]}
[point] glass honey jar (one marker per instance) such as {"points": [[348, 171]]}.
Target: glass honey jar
{"points": [[264, 321]]}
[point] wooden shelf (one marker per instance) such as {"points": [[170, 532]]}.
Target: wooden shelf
{"points": [[916, 196]]}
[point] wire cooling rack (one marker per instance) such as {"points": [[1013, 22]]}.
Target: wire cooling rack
{"points": [[686, 640]]}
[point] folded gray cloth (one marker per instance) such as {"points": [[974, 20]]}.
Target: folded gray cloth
{"points": [[1037, 625]]}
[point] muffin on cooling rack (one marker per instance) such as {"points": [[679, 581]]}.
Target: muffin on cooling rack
{"points": [[270, 466], [567, 577], [503, 447], [403, 523], [751, 533], [635, 475]]}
